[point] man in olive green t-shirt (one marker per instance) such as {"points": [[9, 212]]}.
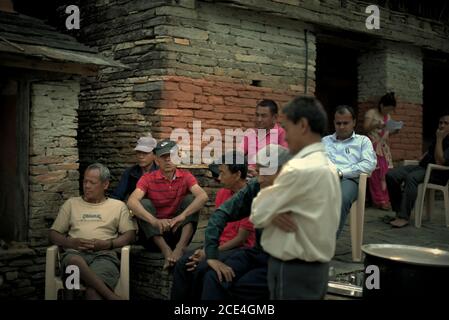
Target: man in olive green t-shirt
{"points": [[88, 228]]}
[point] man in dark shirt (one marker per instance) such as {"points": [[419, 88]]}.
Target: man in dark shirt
{"points": [[145, 163], [402, 202], [243, 275]]}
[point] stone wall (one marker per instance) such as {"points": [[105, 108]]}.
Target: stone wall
{"points": [[53, 179], [350, 15], [54, 155], [189, 61], [21, 274]]}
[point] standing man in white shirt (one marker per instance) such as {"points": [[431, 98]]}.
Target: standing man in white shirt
{"points": [[300, 212], [352, 154]]}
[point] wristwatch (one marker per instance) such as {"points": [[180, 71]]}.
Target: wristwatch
{"points": [[340, 174]]}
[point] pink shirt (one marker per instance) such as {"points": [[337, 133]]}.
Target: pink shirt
{"points": [[252, 143]]}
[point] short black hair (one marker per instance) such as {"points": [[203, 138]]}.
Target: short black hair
{"points": [[342, 109], [269, 104], [234, 160], [309, 108], [443, 113], [387, 100]]}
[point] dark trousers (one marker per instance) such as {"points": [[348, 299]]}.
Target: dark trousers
{"points": [[297, 279], [403, 201], [188, 285], [250, 281], [147, 231], [349, 193]]}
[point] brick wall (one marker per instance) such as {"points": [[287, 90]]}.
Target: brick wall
{"points": [[217, 104], [191, 60], [394, 67]]}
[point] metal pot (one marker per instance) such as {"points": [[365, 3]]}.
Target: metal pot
{"points": [[404, 271]]}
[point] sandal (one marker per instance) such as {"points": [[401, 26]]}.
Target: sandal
{"points": [[399, 223]]}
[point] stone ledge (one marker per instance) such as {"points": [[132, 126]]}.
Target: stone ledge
{"points": [[11, 254], [147, 279]]}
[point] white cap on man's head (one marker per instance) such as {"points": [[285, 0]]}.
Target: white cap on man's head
{"points": [[146, 144]]}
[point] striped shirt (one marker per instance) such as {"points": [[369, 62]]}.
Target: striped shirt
{"points": [[165, 195]]}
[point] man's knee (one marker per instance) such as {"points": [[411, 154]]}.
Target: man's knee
{"points": [[75, 260], [187, 200], [148, 205], [413, 179]]}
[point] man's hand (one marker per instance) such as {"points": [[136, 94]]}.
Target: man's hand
{"points": [[81, 244], [195, 259], [441, 134], [285, 222], [222, 270], [162, 224], [175, 223], [252, 172], [102, 244]]}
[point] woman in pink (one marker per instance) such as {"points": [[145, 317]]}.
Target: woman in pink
{"points": [[375, 127]]}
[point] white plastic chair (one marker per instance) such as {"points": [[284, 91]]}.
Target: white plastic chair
{"points": [[53, 283], [357, 215], [428, 189]]}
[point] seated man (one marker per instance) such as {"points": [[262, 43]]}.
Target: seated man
{"points": [[190, 269], [145, 163], [88, 228], [243, 275], [352, 154], [267, 131], [308, 188], [168, 216], [438, 153]]}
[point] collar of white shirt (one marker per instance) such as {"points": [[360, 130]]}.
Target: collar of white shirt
{"points": [[311, 148], [334, 137]]}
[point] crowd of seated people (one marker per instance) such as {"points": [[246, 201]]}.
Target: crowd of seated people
{"points": [[295, 184]]}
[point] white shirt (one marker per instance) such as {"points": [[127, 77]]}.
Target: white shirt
{"points": [[309, 187], [352, 156]]}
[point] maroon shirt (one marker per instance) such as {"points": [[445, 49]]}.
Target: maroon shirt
{"points": [[165, 195]]}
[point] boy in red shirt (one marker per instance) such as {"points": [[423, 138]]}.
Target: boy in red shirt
{"points": [[188, 272]]}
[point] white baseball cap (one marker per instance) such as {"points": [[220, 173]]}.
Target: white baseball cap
{"points": [[146, 144]]}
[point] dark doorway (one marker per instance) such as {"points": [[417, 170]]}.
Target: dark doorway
{"points": [[336, 78], [435, 93], [14, 130]]}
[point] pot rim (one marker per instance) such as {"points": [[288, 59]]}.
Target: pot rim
{"points": [[429, 256]]}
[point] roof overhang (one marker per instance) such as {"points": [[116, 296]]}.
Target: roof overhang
{"points": [[52, 59]]}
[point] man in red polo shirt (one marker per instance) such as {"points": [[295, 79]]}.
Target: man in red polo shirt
{"points": [[168, 216]]}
